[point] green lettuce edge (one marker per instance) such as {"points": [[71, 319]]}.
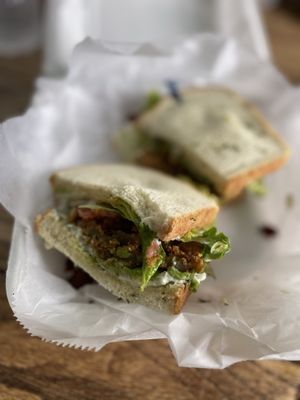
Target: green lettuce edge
{"points": [[214, 246]]}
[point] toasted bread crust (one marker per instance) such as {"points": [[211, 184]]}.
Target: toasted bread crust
{"points": [[180, 299], [181, 225], [233, 186]]}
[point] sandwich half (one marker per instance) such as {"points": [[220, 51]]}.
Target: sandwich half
{"points": [[210, 135], [144, 236]]}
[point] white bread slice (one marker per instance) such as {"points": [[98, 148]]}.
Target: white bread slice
{"points": [[60, 235], [168, 206], [221, 137]]}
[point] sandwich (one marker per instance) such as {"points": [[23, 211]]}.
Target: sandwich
{"points": [[141, 234], [210, 136]]}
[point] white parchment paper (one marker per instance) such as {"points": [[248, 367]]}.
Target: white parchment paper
{"points": [[252, 309]]}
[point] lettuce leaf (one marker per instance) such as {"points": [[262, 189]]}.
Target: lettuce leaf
{"points": [[97, 207], [126, 211], [153, 98], [214, 244], [153, 262], [148, 238], [118, 206], [191, 277], [257, 187]]}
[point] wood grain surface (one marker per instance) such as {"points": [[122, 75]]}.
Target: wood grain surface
{"points": [[31, 369], [283, 30]]}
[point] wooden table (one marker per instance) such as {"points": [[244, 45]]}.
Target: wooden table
{"points": [[31, 369]]}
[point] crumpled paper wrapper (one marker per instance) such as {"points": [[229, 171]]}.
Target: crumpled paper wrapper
{"points": [[252, 309]]}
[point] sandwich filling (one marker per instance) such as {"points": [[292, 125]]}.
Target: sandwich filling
{"points": [[157, 153], [115, 234]]}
